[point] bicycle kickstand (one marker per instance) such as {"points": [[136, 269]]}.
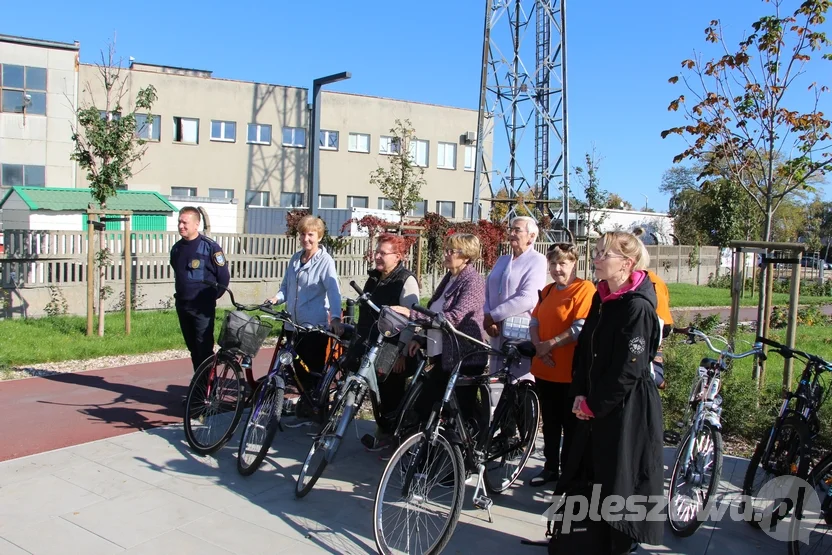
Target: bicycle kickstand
{"points": [[482, 501]]}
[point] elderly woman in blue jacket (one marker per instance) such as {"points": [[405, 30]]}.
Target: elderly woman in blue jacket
{"points": [[312, 294]]}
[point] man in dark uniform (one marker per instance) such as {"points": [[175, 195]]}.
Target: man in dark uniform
{"points": [[195, 258]]}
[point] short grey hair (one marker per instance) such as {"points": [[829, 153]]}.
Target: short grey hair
{"points": [[531, 225]]}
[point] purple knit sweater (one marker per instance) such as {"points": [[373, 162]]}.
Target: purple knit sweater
{"points": [[463, 308]]}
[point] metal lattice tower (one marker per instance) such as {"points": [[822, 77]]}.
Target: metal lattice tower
{"points": [[523, 108]]}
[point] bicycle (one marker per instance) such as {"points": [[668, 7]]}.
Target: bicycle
{"points": [[818, 540], [787, 447], [426, 475], [352, 394], [224, 385], [698, 466], [267, 406]]}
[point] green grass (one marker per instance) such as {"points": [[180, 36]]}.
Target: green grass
{"points": [[37, 340], [685, 295]]}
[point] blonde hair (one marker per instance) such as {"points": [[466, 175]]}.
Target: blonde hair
{"points": [[628, 245], [468, 244], [310, 222], [562, 251]]}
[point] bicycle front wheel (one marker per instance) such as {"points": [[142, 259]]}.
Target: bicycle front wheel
{"points": [[789, 456], [262, 424], [512, 438], [214, 404], [691, 489], [325, 445], [814, 525], [419, 497]]}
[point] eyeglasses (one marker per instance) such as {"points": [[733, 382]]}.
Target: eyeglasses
{"points": [[563, 247], [598, 255], [380, 253], [450, 252]]}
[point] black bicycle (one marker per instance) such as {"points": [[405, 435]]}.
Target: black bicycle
{"points": [[224, 385], [787, 447], [420, 493], [815, 522]]}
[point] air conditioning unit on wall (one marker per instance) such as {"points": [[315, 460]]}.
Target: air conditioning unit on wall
{"points": [[469, 137]]}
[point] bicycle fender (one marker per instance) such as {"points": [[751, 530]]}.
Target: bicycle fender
{"points": [[713, 420]]}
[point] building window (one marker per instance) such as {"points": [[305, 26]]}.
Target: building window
{"points": [[327, 201], [292, 200], [294, 136], [419, 152], [183, 191], [257, 198], [446, 156], [223, 131], [221, 193], [328, 140], [388, 145], [148, 128], [419, 209], [185, 130], [14, 175], [466, 210], [385, 203], [359, 142], [23, 89], [358, 202], [445, 208], [470, 158], [259, 134]]}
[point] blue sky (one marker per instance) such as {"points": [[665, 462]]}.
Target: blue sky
{"points": [[429, 51]]}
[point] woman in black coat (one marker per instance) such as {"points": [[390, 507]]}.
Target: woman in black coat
{"points": [[618, 441]]}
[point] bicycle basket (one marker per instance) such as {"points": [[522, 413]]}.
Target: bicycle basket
{"points": [[390, 322], [243, 332]]}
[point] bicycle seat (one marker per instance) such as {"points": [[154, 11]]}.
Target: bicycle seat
{"points": [[525, 348]]}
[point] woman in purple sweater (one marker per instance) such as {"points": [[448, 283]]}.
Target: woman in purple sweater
{"points": [[459, 298], [513, 286]]}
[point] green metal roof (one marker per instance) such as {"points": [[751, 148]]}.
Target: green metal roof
{"points": [[66, 200]]}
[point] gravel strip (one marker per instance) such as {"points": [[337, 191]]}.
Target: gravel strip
{"points": [[67, 366]]}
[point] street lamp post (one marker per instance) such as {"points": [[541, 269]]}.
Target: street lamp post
{"points": [[315, 127]]}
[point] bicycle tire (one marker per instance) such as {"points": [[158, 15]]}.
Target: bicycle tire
{"points": [[265, 414], [384, 535], [222, 415], [796, 455], [324, 444], [408, 421], [526, 409], [819, 478], [687, 529], [329, 395]]}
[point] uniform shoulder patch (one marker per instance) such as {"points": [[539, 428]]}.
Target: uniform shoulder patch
{"points": [[219, 258], [637, 345]]}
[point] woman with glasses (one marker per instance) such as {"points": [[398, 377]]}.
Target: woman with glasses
{"points": [[459, 297], [556, 323], [618, 439], [390, 284]]}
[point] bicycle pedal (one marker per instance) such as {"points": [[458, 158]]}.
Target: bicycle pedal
{"points": [[483, 502], [671, 437]]}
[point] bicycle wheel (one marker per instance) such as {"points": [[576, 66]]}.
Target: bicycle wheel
{"points": [[419, 497], [789, 456], [326, 443], [261, 426], [214, 404], [330, 382], [408, 421], [820, 524], [691, 490], [512, 438]]}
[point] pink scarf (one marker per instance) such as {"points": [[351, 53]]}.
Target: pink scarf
{"points": [[635, 280]]}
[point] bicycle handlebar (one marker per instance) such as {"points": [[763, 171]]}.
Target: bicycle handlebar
{"points": [[787, 352], [364, 297], [693, 333], [439, 321]]}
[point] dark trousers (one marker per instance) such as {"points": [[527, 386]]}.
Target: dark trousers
{"points": [[392, 391], [311, 348], [197, 325], [557, 416]]}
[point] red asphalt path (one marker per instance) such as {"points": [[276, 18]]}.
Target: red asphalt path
{"points": [[42, 414]]}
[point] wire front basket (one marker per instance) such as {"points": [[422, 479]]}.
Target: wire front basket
{"points": [[243, 332]]}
